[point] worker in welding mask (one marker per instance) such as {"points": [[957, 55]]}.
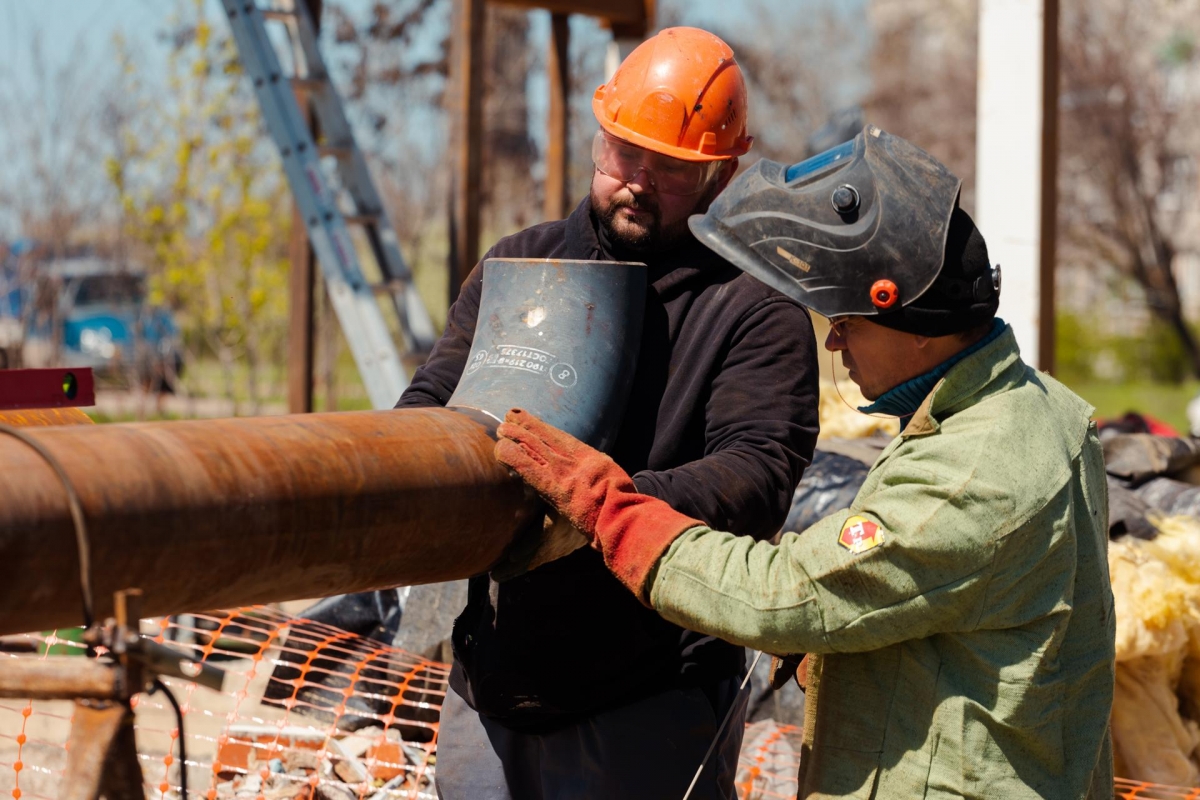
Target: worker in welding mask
{"points": [[957, 617]]}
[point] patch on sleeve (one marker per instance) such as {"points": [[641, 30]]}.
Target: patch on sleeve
{"points": [[860, 534]]}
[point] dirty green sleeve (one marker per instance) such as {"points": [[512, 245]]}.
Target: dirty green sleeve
{"points": [[927, 572]]}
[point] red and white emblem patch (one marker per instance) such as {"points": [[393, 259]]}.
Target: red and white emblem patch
{"points": [[860, 534]]}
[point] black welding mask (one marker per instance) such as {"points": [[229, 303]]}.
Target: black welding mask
{"points": [[870, 228]]}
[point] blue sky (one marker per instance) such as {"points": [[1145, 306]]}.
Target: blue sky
{"points": [[76, 43], [73, 30], [80, 32]]}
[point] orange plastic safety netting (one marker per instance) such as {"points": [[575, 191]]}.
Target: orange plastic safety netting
{"points": [[769, 764], [1139, 790], [306, 711], [310, 712]]}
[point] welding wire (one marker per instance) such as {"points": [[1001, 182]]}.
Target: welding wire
{"points": [[717, 737], [845, 402], [159, 686]]}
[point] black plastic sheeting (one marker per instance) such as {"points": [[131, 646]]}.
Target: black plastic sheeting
{"points": [[1143, 471], [829, 484], [1128, 513], [1170, 497], [375, 615], [1135, 458]]}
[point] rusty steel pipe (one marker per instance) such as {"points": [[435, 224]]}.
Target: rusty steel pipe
{"points": [[223, 513]]}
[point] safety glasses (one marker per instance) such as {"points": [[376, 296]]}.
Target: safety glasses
{"points": [[623, 161], [840, 326]]}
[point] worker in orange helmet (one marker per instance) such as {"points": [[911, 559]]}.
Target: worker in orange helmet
{"points": [[563, 684], [672, 124]]}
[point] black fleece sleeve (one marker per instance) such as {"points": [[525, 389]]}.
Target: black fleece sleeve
{"points": [[437, 378], [760, 429]]}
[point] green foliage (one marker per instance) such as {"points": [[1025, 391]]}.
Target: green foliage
{"points": [[1116, 374], [1158, 355], [1178, 49], [1084, 353], [1074, 353], [1165, 401], [203, 194]]}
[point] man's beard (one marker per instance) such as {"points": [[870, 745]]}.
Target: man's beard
{"points": [[654, 237]]}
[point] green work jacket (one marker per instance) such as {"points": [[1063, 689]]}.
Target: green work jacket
{"points": [[961, 607]]}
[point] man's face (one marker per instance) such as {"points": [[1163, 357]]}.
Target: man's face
{"points": [[877, 358], [638, 210]]}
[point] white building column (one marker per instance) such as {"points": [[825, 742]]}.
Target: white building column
{"points": [[618, 49], [1016, 162]]}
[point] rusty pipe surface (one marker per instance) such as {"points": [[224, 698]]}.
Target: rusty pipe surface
{"points": [[222, 513]]}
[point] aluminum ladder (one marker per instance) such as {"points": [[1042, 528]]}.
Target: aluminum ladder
{"points": [[353, 298]]}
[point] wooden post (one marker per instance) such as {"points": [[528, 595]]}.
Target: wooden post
{"points": [[629, 20], [467, 195], [1049, 194], [557, 201], [302, 282]]}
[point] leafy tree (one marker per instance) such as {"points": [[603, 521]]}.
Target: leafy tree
{"points": [[203, 198], [1129, 155]]}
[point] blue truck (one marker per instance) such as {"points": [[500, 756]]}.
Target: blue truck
{"points": [[85, 311]]}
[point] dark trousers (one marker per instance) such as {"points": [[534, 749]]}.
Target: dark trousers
{"points": [[649, 749]]}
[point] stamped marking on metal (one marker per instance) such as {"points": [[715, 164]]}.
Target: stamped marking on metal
{"points": [[476, 361], [511, 356], [564, 375], [526, 359]]}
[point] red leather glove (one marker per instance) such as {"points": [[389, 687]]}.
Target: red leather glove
{"points": [[631, 530]]}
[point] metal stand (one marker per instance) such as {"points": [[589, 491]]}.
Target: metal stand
{"points": [[102, 759]]}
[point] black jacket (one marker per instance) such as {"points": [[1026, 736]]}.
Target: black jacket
{"points": [[721, 422]]}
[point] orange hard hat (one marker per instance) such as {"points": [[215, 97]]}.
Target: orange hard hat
{"points": [[679, 93]]}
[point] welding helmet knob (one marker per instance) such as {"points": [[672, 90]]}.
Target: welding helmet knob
{"points": [[884, 294], [845, 199]]}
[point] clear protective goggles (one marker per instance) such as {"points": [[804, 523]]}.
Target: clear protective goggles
{"points": [[623, 161]]}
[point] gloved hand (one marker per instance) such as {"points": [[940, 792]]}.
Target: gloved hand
{"points": [[631, 530], [784, 668]]}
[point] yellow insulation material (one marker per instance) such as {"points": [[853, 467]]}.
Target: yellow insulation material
{"points": [[1156, 591], [1151, 601], [1152, 741], [841, 419]]}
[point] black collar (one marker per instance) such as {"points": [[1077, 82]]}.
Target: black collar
{"points": [[586, 240]]}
